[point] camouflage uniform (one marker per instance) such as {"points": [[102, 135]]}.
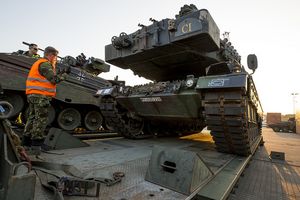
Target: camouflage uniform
{"points": [[39, 105], [38, 116]]}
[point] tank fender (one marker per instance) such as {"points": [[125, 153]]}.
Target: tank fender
{"points": [[223, 81]]}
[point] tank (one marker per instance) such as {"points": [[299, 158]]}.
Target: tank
{"points": [[284, 126], [75, 104], [198, 82]]}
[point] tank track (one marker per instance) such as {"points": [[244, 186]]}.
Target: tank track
{"points": [[233, 121], [116, 118]]}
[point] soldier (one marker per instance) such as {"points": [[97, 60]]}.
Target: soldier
{"points": [[40, 88], [32, 52]]}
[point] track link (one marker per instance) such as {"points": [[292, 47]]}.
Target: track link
{"points": [[233, 121]]}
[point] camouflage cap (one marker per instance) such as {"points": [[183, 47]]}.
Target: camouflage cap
{"points": [[50, 50]]}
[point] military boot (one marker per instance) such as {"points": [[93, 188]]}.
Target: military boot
{"points": [[26, 141], [36, 147]]}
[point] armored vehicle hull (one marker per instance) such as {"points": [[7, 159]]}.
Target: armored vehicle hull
{"points": [[74, 105], [198, 82]]}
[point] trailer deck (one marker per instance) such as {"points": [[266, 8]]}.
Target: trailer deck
{"points": [[263, 178]]}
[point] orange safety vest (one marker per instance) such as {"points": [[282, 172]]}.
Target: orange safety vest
{"points": [[38, 84]]}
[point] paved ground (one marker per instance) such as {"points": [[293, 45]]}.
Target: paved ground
{"points": [[265, 178]]}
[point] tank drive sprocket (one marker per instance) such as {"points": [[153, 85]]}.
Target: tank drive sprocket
{"points": [[116, 117]]}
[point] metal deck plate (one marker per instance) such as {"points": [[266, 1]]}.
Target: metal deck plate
{"points": [[263, 179], [131, 157]]}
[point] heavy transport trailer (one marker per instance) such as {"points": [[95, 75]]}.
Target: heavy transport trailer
{"points": [[198, 81], [159, 168], [74, 105], [117, 168], [140, 163]]}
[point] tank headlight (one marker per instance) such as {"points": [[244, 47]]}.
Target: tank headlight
{"points": [[189, 82]]}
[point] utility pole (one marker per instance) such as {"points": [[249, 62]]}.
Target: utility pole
{"points": [[294, 101]]}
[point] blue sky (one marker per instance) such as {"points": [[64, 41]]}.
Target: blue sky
{"points": [[268, 28]]}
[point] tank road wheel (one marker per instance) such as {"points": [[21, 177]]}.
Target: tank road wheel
{"points": [[93, 120], [69, 119], [135, 128], [276, 129], [107, 127]]}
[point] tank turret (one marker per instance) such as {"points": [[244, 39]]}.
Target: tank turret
{"points": [[171, 49], [91, 65]]}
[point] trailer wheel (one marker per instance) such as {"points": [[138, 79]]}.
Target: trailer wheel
{"points": [[286, 130]]}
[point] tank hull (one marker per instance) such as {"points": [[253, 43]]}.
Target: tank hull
{"points": [[164, 106], [228, 105]]}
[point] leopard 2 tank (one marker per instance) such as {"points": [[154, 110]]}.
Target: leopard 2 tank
{"points": [[198, 82]]}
